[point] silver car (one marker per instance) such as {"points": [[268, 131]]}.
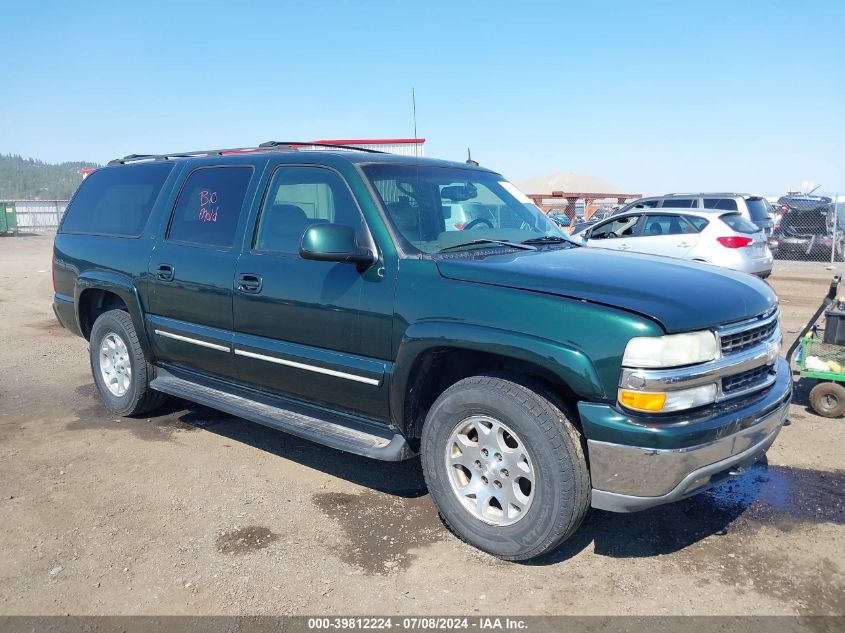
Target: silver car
{"points": [[754, 208], [723, 239]]}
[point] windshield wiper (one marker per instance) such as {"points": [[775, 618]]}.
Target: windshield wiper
{"points": [[546, 239], [524, 246]]}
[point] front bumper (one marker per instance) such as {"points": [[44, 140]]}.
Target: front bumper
{"points": [[670, 461]]}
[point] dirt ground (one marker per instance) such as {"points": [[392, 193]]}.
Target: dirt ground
{"points": [[194, 512]]}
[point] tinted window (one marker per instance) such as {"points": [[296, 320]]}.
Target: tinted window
{"points": [[758, 208], [679, 203], [698, 223], [116, 201], [209, 206], [739, 223], [725, 204], [656, 225], [297, 198], [622, 227]]}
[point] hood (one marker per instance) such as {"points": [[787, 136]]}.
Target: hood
{"points": [[680, 296]]}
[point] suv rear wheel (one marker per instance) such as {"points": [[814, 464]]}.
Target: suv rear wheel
{"points": [[121, 372], [505, 467]]}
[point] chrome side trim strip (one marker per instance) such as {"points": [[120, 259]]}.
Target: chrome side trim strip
{"points": [[314, 368], [195, 341]]}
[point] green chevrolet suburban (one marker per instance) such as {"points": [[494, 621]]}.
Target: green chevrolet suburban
{"points": [[322, 291]]}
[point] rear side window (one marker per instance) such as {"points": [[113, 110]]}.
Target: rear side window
{"points": [[209, 206], [116, 201], [739, 223], [678, 203], [758, 209], [656, 225], [725, 204]]}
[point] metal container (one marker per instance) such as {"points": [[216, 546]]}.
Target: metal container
{"points": [[8, 219]]}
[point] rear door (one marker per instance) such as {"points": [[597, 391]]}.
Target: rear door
{"points": [[192, 267]]}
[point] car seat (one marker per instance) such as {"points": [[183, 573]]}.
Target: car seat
{"points": [[282, 228]]}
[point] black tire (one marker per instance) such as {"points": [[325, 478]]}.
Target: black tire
{"points": [[828, 399], [139, 398], [562, 487]]}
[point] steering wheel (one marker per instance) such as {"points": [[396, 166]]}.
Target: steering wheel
{"points": [[476, 222]]}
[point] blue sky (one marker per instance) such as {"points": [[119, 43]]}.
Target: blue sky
{"points": [[651, 96]]}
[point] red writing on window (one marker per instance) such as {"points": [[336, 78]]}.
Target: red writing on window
{"points": [[208, 206]]}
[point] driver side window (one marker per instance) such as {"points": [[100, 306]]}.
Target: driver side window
{"points": [[297, 198], [620, 227]]}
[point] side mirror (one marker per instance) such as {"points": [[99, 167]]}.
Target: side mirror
{"points": [[586, 234], [334, 243]]}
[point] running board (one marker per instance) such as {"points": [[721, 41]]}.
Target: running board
{"points": [[303, 422]]}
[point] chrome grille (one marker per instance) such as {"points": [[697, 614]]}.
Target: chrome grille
{"points": [[745, 339], [746, 380]]}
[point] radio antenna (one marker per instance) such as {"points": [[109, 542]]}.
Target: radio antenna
{"points": [[414, 103]]}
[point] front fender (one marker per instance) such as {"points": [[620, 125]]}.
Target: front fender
{"points": [[124, 287], [572, 366]]}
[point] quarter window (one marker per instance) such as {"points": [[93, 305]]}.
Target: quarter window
{"points": [[299, 197], [116, 201], [209, 206]]}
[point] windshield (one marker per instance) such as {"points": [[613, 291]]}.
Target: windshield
{"points": [[437, 208]]}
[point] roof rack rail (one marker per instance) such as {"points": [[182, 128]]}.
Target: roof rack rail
{"points": [[269, 146], [296, 144]]}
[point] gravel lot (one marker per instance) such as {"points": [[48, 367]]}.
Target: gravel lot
{"points": [[195, 512]]}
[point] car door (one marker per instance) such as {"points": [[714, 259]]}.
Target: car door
{"points": [[314, 330], [191, 269], [617, 234], [666, 234]]}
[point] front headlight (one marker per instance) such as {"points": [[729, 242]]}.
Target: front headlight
{"points": [[672, 350]]}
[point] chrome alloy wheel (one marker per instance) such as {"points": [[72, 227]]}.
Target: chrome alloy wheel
{"points": [[115, 367], [490, 470]]}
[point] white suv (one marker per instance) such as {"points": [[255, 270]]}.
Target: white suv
{"points": [[755, 209], [723, 239]]}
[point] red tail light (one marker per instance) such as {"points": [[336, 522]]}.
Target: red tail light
{"points": [[734, 241], [460, 227]]}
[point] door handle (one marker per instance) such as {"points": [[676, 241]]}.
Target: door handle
{"points": [[250, 283], [624, 247], [683, 245], [165, 272]]}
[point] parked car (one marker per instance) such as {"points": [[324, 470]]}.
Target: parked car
{"points": [[753, 208], [722, 239], [808, 233], [322, 293], [559, 217]]}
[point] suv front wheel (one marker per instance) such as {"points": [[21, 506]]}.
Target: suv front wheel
{"points": [[121, 372], [505, 467]]}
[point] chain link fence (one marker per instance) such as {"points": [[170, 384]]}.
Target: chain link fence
{"points": [[809, 228]]}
